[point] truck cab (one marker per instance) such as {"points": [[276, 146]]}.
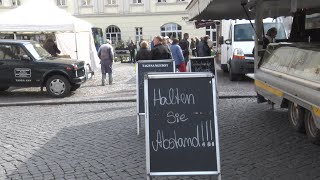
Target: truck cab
{"points": [[237, 49]]}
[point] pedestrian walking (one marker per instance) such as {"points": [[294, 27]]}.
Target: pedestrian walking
{"points": [[193, 47], [177, 55], [185, 45], [106, 55], [204, 49], [144, 53], [132, 49], [159, 50]]}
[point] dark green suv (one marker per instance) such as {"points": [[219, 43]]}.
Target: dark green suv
{"points": [[27, 64]]}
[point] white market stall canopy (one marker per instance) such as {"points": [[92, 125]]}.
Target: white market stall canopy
{"points": [[73, 35], [232, 9], [41, 16]]}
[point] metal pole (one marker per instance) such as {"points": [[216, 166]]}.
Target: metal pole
{"points": [[75, 38], [259, 35], [138, 124]]}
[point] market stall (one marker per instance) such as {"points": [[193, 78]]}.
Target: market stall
{"points": [[73, 35]]}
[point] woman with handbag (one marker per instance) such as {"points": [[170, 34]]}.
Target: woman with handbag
{"points": [[178, 55]]}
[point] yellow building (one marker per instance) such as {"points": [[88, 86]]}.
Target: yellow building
{"points": [[128, 19]]}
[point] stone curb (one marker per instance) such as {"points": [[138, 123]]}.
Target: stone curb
{"points": [[37, 103]]}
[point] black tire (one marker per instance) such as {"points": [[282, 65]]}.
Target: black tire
{"points": [[232, 76], [75, 87], [58, 86], [296, 115], [3, 88], [313, 133]]}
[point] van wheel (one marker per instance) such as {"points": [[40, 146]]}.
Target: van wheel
{"points": [[312, 131], [296, 116], [58, 86], [3, 88], [232, 76]]}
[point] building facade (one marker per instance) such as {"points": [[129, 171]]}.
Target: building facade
{"points": [[134, 20], [126, 20]]}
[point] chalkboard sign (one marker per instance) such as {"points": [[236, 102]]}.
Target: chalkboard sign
{"points": [[181, 124], [202, 64], [143, 67]]}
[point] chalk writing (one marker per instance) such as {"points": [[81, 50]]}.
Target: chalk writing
{"points": [[175, 142], [174, 97], [175, 117]]}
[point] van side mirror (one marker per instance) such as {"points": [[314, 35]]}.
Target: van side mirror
{"points": [[220, 39], [228, 41]]}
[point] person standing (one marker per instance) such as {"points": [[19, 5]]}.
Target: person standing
{"points": [[193, 47], [177, 55], [185, 45], [144, 53], [51, 47], [204, 49], [132, 49], [270, 37], [106, 55], [159, 50]]}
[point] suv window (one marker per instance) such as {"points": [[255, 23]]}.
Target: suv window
{"points": [[11, 52]]}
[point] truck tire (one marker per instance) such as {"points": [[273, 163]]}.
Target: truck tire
{"points": [[58, 86], [3, 88], [296, 115], [75, 87], [313, 133], [232, 76]]}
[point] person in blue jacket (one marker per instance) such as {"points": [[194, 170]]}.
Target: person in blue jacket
{"points": [[177, 54]]}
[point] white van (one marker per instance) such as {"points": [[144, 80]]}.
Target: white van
{"points": [[237, 43]]}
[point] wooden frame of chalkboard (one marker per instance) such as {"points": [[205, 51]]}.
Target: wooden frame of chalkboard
{"points": [[168, 154], [138, 81]]}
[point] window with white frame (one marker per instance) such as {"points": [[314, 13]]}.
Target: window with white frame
{"points": [[113, 33], [212, 33], [162, 1], [111, 2], [137, 1], [16, 3], [138, 34], [172, 30], [86, 2], [61, 2]]}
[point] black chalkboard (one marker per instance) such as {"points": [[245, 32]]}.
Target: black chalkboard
{"points": [[180, 126], [143, 67], [202, 64]]}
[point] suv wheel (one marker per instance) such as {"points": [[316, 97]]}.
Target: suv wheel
{"points": [[75, 87], [58, 86], [3, 88]]}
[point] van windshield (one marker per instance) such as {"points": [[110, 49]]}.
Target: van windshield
{"points": [[244, 32]]}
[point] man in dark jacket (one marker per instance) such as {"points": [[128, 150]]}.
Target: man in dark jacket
{"points": [[51, 47], [204, 49], [160, 51], [144, 53], [185, 45]]}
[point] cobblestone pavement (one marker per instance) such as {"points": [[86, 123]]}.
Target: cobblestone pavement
{"points": [[124, 88], [99, 141]]}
